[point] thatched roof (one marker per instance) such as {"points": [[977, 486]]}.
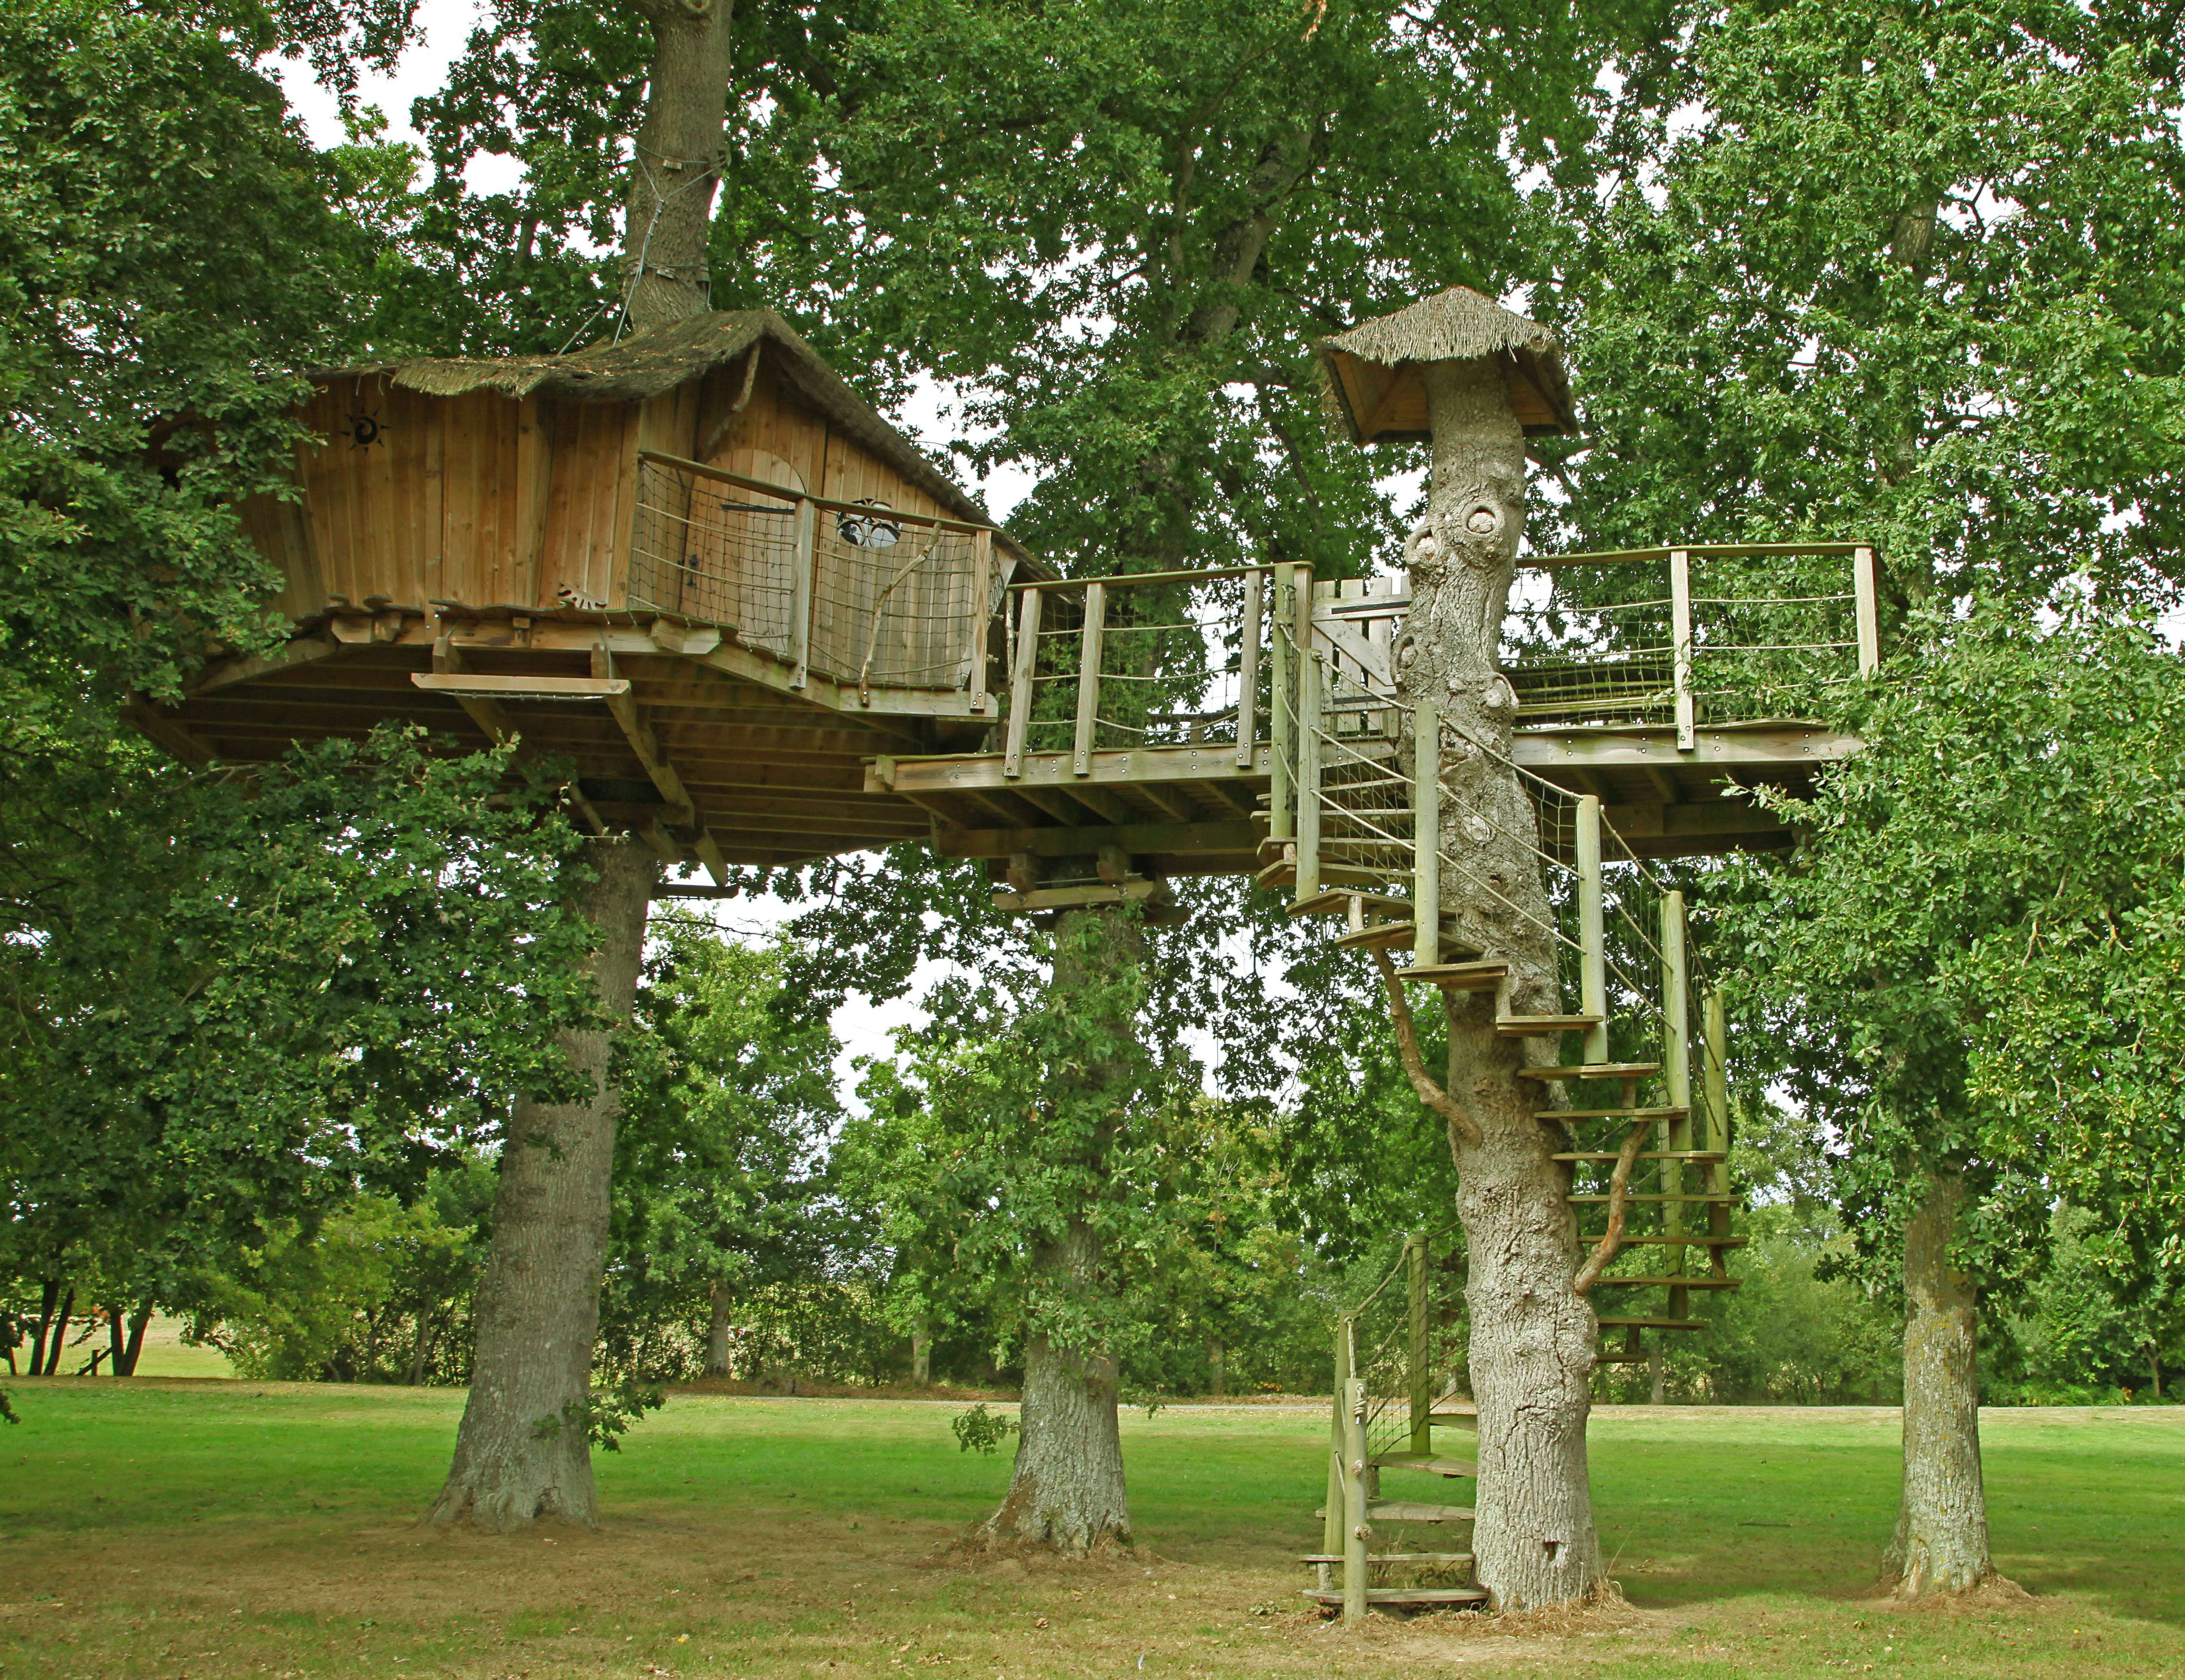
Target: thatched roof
{"points": [[1374, 368], [668, 356]]}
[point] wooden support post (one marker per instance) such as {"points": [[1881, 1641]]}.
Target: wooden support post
{"points": [[1592, 933], [1426, 834], [1356, 1532], [800, 589], [1089, 672], [1247, 668], [1677, 1075], [1331, 1528], [1420, 1386], [1681, 640], [1282, 723], [1869, 616], [1716, 1073], [982, 573], [1308, 777], [1020, 683]]}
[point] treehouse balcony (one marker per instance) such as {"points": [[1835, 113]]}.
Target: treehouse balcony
{"points": [[1160, 715]]}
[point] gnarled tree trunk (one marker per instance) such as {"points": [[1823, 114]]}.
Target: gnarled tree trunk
{"points": [[1532, 1353], [1941, 1543], [1066, 1490], [523, 1451], [676, 162]]}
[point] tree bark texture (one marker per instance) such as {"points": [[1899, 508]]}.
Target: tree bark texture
{"points": [[921, 1356], [718, 1307], [1532, 1349], [1940, 1544], [523, 1451], [1066, 1490], [676, 162]]}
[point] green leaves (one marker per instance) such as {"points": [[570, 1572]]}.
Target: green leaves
{"points": [[1973, 958]]}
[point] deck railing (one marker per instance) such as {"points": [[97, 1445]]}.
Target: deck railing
{"points": [[1704, 633]]}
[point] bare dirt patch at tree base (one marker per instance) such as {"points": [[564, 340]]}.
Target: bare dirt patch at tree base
{"points": [[655, 1595]]}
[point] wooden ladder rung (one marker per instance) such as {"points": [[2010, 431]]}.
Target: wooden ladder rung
{"points": [[1404, 1595], [1702, 1283], [1609, 1115], [1724, 1196]]}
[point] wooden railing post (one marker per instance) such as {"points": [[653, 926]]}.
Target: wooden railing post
{"points": [[1426, 834], [1680, 654], [1020, 682], [1677, 1075], [800, 592], [1282, 723], [1331, 1528], [1308, 776], [1247, 668], [1357, 1477], [1089, 672], [1869, 616], [1716, 1066], [983, 572], [1592, 932], [1420, 1388]]}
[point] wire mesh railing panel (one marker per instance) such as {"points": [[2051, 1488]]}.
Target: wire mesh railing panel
{"points": [[1741, 636], [893, 601], [716, 554], [1409, 1345], [1174, 657]]}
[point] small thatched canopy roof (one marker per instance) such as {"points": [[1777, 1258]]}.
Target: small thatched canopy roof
{"points": [[1374, 368], [668, 356]]}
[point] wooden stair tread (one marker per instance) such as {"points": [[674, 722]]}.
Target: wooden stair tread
{"points": [[1461, 1560], [1457, 976], [1540, 1026], [1336, 901], [1433, 1463], [1404, 1595], [1652, 1324], [1610, 1113], [1406, 1511], [469, 685], [1594, 1070], [1700, 1282], [1701, 1156]]}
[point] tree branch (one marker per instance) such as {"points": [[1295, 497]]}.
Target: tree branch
{"points": [[1407, 1045], [1613, 1239]]}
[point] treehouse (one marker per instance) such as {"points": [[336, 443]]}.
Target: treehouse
{"points": [[697, 564]]}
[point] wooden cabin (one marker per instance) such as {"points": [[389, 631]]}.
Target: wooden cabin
{"points": [[698, 563]]}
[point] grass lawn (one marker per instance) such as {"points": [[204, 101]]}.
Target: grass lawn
{"points": [[203, 1530]]}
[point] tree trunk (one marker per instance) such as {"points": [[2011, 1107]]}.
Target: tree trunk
{"points": [[1941, 1543], [128, 1343], [523, 1451], [60, 1333], [921, 1356], [1218, 1371], [1532, 1349], [1657, 1386], [676, 162], [718, 1325], [1066, 1490]]}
